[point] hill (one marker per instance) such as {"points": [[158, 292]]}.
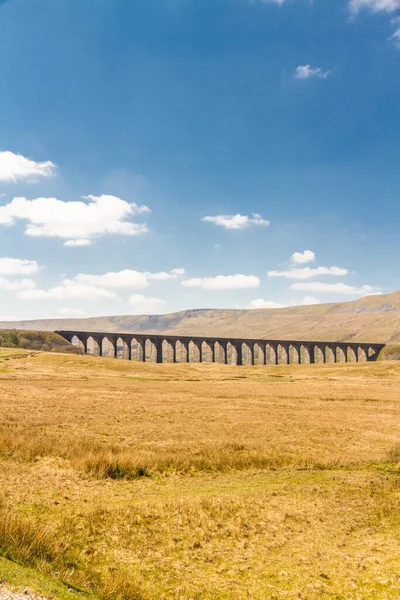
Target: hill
{"points": [[372, 319], [36, 340]]}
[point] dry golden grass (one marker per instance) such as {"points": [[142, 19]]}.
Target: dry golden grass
{"points": [[148, 482]]}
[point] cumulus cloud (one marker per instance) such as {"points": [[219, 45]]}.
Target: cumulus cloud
{"points": [[307, 71], [385, 6], [15, 285], [223, 282], [14, 167], [127, 278], [17, 266], [335, 288], [75, 221], [71, 312], [237, 221], [146, 305], [260, 303], [309, 273], [68, 289], [302, 258]]}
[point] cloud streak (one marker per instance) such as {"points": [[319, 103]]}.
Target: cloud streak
{"points": [[237, 221], [223, 282], [304, 72], [309, 273], [335, 288], [376, 6]]}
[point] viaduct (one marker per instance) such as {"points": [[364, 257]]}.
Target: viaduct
{"points": [[233, 351]]}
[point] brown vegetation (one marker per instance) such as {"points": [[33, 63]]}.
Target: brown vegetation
{"points": [[202, 481]]}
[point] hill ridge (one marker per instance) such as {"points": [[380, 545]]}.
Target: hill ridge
{"points": [[371, 319]]}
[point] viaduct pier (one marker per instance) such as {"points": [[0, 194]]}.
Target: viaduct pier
{"points": [[234, 351]]}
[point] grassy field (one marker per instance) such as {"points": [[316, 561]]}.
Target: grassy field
{"points": [[148, 482]]}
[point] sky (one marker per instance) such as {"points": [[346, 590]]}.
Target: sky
{"points": [[162, 155]]}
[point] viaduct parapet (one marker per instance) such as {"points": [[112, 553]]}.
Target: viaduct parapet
{"points": [[233, 351]]}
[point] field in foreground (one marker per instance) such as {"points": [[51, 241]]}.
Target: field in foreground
{"points": [[150, 482]]}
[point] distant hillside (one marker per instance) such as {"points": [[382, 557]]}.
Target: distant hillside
{"points": [[371, 319]]}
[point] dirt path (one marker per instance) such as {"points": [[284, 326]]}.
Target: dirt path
{"points": [[6, 594]]}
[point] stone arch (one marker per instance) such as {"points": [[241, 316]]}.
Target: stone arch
{"points": [[207, 351], [220, 352], [182, 351], [78, 343], [149, 350], [137, 350], [109, 346], [230, 353], [340, 354], [121, 348], [351, 353], [235, 353], [271, 354], [194, 351], [93, 346], [247, 349], [330, 355], [362, 354], [283, 354], [294, 354], [168, 350], [319, 354], [260, 354], [306, 354], [372, 353]]}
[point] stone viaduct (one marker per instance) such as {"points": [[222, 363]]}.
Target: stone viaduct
{"points": [[234, 351]]}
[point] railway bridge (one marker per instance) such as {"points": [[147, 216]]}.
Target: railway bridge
{"points": [[235, 351]]}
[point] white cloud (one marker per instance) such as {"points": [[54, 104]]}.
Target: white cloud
{"points": [[74, 221], [396, 37], [71, 312], [146, 305], [127, 278], [260, 303], [68, 289], [223, 282], [78, 243], [334, 288], [237, 221], [309, 301], [14, 167], [386, 6], [302, 258], [309, 273], [307, 71], [15, 285], [16, 266]]}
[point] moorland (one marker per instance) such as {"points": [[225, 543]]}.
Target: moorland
{"points": [[372, 319], [142, 481]]}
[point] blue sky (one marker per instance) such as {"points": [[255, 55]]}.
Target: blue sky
{"points": [[170, 154]]}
